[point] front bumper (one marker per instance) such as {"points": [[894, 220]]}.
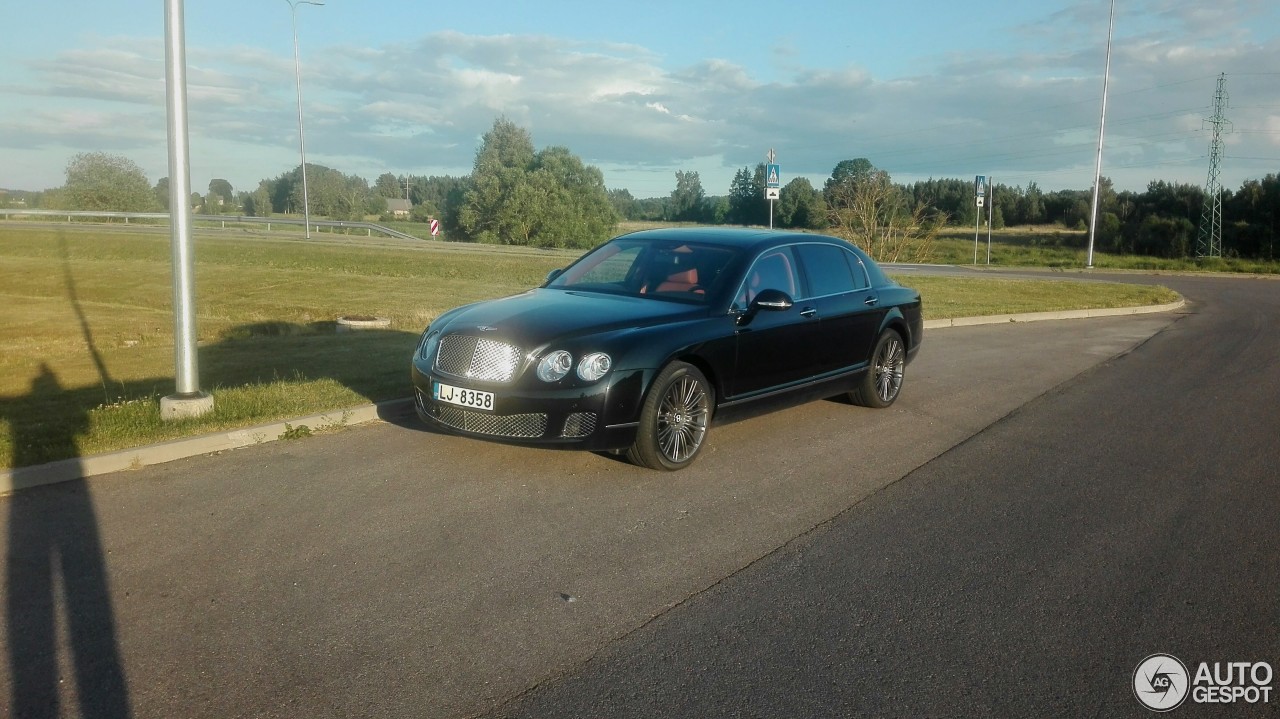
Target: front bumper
{"points": [[603, 416]]}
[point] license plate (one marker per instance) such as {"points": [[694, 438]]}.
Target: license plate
{"points": [[474, 399]]}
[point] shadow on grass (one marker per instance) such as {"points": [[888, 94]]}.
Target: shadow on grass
{"points": [[372, 363], [281, 361]]}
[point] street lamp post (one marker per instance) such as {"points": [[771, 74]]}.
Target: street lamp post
{"points": [[1102, 124], [188, 400], [302, 136]]}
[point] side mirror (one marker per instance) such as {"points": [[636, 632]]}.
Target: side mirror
{"points": [[773, 300], [554, 274], [769, 300]]}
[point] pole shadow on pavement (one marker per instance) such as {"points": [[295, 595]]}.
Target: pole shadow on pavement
{"points": [[53, 544]]}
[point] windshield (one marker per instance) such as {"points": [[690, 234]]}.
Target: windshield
{"points": [[673, 270]]}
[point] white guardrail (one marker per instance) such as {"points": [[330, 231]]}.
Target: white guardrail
{"points": [[370, 227]]}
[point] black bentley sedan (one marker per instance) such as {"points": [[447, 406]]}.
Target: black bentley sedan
{"points": [[638, 344]]}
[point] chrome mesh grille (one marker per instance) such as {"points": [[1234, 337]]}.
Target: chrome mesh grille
{"points": [[579, 424], [498, 425], [455, 354], [478, 358], [495, 361]]}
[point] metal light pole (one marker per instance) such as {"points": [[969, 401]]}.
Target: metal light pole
{"points": [[302, 136], [1102, 124], [188, 401]]}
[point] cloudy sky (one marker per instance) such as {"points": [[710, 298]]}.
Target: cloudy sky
{"points": [[924, 88]]}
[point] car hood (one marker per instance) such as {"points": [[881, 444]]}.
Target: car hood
{"points": [[546, 315]]}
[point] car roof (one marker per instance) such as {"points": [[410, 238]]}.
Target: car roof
{"points": [[742, 237]]}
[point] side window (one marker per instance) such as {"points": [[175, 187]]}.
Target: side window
{"points": [[773, 270], [860, 280], [828, 269]]}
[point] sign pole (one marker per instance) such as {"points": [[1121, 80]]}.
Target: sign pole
{"points": [[772, 182], [977, 220], [979, 195], [991, 211]]}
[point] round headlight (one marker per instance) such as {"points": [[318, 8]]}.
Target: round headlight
{"points": [[594, 366], [555, 366]]}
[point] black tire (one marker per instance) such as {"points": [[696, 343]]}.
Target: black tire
{"points": [[674, 419], [882, 383]]}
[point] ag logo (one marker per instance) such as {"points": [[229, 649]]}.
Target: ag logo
{"points": [[1161, 682]]}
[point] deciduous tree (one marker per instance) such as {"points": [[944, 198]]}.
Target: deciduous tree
{"points": [[686, 199], [100, 181], [623, 203], [258, 202], [801, 206], [866, 208], [546, 199], [162, 192], [223, 190], [388, 185], [846, 174]]}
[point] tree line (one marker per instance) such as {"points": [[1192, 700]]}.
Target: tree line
{"points": [[515, 194], [1162, 221], [520, 195]]}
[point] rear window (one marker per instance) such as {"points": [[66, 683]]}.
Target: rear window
{"points": [[828, 270]]}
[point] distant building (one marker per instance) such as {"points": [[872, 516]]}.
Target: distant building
{"points": [[398, 207]]}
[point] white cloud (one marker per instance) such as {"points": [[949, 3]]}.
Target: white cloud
{"points": [[420, 107]]}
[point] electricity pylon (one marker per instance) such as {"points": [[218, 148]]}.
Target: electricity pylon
{"points": [[1209, 240]]}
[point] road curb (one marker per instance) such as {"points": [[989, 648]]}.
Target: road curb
{"points": [[83, 467], [1062, 315], [139, 457]]}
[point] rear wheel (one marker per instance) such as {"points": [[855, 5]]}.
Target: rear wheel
{"points": [[674, 419], [882, 383]]}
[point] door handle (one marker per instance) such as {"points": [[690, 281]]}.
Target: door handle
{"points": [[871, 301], [808, 312]]}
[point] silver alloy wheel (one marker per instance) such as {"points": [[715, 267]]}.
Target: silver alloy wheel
{"points": [[682, 419], [891, 361]]}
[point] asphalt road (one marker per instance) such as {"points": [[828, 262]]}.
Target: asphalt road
{"points": [[1045, 505], [1026, 572]]}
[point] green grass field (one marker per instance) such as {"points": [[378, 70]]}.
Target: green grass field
{"points": [[86, 342], [1061, 248]]}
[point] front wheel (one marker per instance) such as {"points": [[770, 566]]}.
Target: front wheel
{"points": [[881, 384], [674, 419]]}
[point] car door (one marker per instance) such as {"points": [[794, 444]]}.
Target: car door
{"points": [[774, 347], [847, 305]]}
